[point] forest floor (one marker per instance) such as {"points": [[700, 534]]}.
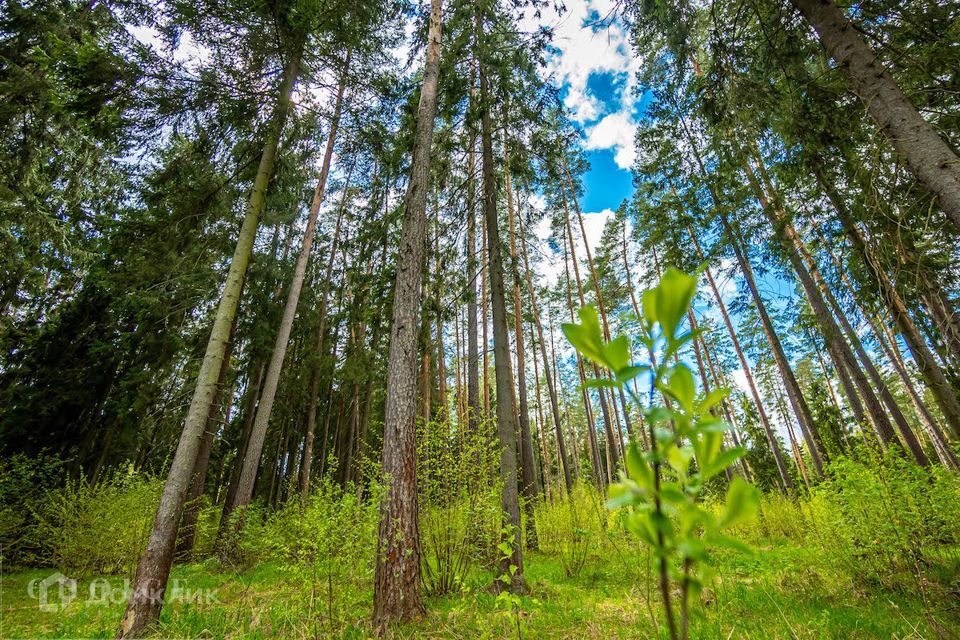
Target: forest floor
{"points": [[780, 591]]}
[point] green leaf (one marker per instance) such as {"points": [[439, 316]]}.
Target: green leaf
{"points": [[694, 549], [586, 337], [649, 301], [622, 494], [600, 383], [637, 467], [657, 414], [742, 503], [626, 374], [674, 293], [671, 492], [714, 397], [616, 353], [679, 458], [640, 523], [662, 524], [721, 461], [680, 385]]}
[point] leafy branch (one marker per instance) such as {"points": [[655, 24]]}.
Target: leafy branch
{"points": [[663, 487]]}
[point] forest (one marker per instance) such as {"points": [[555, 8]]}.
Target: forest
{"points": [[480, 319]]}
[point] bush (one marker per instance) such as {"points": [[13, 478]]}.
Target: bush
{"points": [[459, 496], [887, 521], [574, 529], [23, 483], [85, 529], [327, 545]]}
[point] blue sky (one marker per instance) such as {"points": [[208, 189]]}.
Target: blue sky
{"points": [[605, 185], [596, 72]]}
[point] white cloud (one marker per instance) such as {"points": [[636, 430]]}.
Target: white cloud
{"points": [[585, 50], [615, 131]]}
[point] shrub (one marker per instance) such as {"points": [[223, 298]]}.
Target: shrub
{"points": [[103, 528], [459, 494], [326, 545], [887, 520], [573, 529], [23, 483]]}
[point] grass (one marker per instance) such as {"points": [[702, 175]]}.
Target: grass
{"points": [[781, 591]]}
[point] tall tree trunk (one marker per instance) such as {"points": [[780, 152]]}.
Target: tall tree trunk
{"points": [[799, 247], [459, 384], [547, 369], [698, 353], [441, 352], [574, 446], [153, 572], [719, 380], [484, 270], [611, 448], [251, 460], [541, 425], [839, 349], [425, 376], [249, 413], [597, 467], [396, 593], [528, 470], [934, 377], [596, 285], [506, 426], [306, 462], [191, 511], [747, 372], [821, 300], [473, 355], [931, 160], [888, 343]]}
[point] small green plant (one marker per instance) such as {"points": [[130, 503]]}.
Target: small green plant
{"points": [[663, 487], [508, 601]]}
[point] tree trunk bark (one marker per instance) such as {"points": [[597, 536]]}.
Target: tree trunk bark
{"points": [[596, 466], [396, 594], [506, 427], [596, 285], [934, 377], [541, 425], [719, 380], [611, 448], [785, 229], [838, 347], [931, 160], [547, 373], [306, 462], [528, 470], [251, 460], [747, 372], [940, 445], [188, 523], [473, 354], [150, 583]]}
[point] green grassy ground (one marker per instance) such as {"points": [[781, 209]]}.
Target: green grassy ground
{"points": [[778, 592]]}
